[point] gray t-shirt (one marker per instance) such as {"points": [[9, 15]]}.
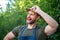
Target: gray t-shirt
{"points": [[28, 32]]}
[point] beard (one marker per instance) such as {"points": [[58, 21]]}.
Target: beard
{"points": [[31, 21]]}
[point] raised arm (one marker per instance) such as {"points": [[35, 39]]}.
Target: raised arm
{"points": [[52, 24]]}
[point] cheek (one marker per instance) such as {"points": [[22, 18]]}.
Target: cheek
{"points": [[33, 17]]}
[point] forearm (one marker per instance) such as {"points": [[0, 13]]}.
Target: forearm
{"points": [[48, 19]]}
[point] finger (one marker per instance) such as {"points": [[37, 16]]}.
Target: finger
{"points": [[33, 9]]}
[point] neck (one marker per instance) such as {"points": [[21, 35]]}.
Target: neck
{"points": [[31, 26]]}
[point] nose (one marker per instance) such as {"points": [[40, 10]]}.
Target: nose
{"points": [[28, 15]]}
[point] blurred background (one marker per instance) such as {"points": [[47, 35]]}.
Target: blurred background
{"points": [[13, 13]]}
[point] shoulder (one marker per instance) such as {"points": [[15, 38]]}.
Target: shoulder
{"points": [[17, 29], [20, 27]]}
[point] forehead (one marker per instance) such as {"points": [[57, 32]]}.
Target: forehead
{"points": [[31, 12]]}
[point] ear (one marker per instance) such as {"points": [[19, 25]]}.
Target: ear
{"points": [[38, 17]]}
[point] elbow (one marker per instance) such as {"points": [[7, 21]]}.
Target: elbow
{"points": [[56, 25]]}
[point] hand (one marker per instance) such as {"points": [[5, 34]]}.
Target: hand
{"points": [[36, 9]]}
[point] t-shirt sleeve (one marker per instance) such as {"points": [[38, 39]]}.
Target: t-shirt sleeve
{"points": [[16, 30], [43, 29], [44, 36], [41, 34]]}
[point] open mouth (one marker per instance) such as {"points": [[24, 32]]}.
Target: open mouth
{"points": [[29, 19]]}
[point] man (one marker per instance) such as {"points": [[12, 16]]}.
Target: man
{"points": [[31, 31]]}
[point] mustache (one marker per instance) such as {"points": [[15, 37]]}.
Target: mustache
{"points": [[28, 18]]}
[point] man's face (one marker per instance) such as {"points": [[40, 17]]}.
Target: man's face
{"points": [[31, 17]]}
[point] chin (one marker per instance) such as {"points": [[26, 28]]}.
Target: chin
{"points": [[28, 22]]}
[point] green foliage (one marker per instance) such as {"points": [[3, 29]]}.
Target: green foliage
{"points": [[16, 14]]}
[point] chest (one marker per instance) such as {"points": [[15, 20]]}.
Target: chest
{"points": [[31, 33]]}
